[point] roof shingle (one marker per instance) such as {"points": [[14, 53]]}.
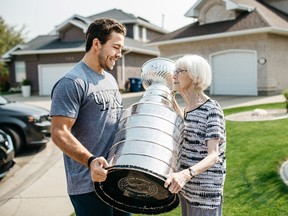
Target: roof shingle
{"points": [[263, 16]]}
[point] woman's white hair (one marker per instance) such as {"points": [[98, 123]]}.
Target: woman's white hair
{"points": [[198, 68]]}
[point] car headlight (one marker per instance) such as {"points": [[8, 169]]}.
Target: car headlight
{"points": [[33, 118], [2, 139], [38, 119]]}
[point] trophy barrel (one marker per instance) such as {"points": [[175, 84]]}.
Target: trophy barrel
{"points": [[146, 148]]}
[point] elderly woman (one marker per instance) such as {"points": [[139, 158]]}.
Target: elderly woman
{"points": [[200, 180]]}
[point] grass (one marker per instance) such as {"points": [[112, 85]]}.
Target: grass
{"points": [[255, 152]]}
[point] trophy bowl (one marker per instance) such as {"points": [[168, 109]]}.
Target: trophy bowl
{"points": [[158, 70]]}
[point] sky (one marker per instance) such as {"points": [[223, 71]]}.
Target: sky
{"points": [[39, 17]]}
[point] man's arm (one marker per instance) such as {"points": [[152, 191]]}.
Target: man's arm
{"points": [[69, 145]]}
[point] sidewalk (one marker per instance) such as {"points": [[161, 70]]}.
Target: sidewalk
{"points": [[39, 187]]}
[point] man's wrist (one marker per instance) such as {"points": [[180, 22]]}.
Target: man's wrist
{"points": [[90, 160]]}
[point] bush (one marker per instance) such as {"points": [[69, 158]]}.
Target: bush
{"points": [[4, 82], [285, 93], [26, 82]]}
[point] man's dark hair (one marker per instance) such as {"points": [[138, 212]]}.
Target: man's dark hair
{"points": [[101, 29]]}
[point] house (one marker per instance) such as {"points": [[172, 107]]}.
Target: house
{"points": [[46, 58], [246, 42]]}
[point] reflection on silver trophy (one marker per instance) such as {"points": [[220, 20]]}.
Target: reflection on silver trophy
{"points": [[146, 147]]}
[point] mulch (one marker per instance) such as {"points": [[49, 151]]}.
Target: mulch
{"points": [[258, 115]]}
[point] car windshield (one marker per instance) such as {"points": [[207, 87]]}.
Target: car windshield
{"points": [[3, 101]]}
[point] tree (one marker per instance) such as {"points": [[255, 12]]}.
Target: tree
{"points": [[9, 38]]}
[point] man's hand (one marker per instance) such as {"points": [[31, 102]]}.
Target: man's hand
{"points": [[97, 169]]}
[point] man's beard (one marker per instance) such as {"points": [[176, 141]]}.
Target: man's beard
{"points": [[102, 62]]}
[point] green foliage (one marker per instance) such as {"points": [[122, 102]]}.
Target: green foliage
{"points": [[26, 82], [285, 93], [9, 37], [255, 151]]}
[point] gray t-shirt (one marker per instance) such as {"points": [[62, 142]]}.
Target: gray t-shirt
{"points": [[95, 102]]}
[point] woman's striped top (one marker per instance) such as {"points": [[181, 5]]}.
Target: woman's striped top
{"points": [[201, 124]]}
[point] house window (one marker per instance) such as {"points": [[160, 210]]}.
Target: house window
{"points": [[140, 33], [144, 34], [136, 32], [20, 71]]}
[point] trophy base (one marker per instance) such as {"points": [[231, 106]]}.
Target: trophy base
{"points": [[135, 190]]}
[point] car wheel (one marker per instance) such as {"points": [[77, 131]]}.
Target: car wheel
{"points": [[15, 135]]}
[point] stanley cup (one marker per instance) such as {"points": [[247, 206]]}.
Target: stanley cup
{"points": [[146, 147]]}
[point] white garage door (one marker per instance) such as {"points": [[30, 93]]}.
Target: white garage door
{"points": [[234, 73], [49, 74]]}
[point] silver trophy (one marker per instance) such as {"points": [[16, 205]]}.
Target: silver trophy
{"points": [[146, 147]]}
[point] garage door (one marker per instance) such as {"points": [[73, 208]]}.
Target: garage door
{"points": [[234, 73], [49, 74]]}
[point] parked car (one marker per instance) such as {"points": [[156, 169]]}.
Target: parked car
{"points": [[6, 153], [27, 125]]}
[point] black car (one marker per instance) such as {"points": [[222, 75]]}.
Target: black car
{"points": [[6, 153], [26, 124]]}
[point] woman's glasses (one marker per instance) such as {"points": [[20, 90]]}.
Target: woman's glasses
{"points": [[179, 71]]}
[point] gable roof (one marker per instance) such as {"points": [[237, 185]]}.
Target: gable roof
{"points": [[76, 20], [263, 19], [273, 17], [51, 43], [230, 5], [126, 18], [123, 17], [116, 14]]}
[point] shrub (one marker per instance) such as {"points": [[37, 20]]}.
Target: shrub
{"points": [[26, 82], [285, 93]]}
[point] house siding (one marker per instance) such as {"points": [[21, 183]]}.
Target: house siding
{"points": [[152, 34], [133, 63], [32, 62], [277, 64], [266, 46], [72, 34]]}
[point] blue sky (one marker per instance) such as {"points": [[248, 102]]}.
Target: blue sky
{"points": [[40, 17]]}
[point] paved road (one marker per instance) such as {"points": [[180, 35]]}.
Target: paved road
{"points": [[36, 184]]}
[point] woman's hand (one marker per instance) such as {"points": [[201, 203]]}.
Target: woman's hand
{"points": [[177, 107], [176, 181]]}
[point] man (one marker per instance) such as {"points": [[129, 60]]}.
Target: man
{"points": [[86, 106]]}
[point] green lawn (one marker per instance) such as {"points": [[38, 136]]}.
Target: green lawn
{"points": [[255, 152]]}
